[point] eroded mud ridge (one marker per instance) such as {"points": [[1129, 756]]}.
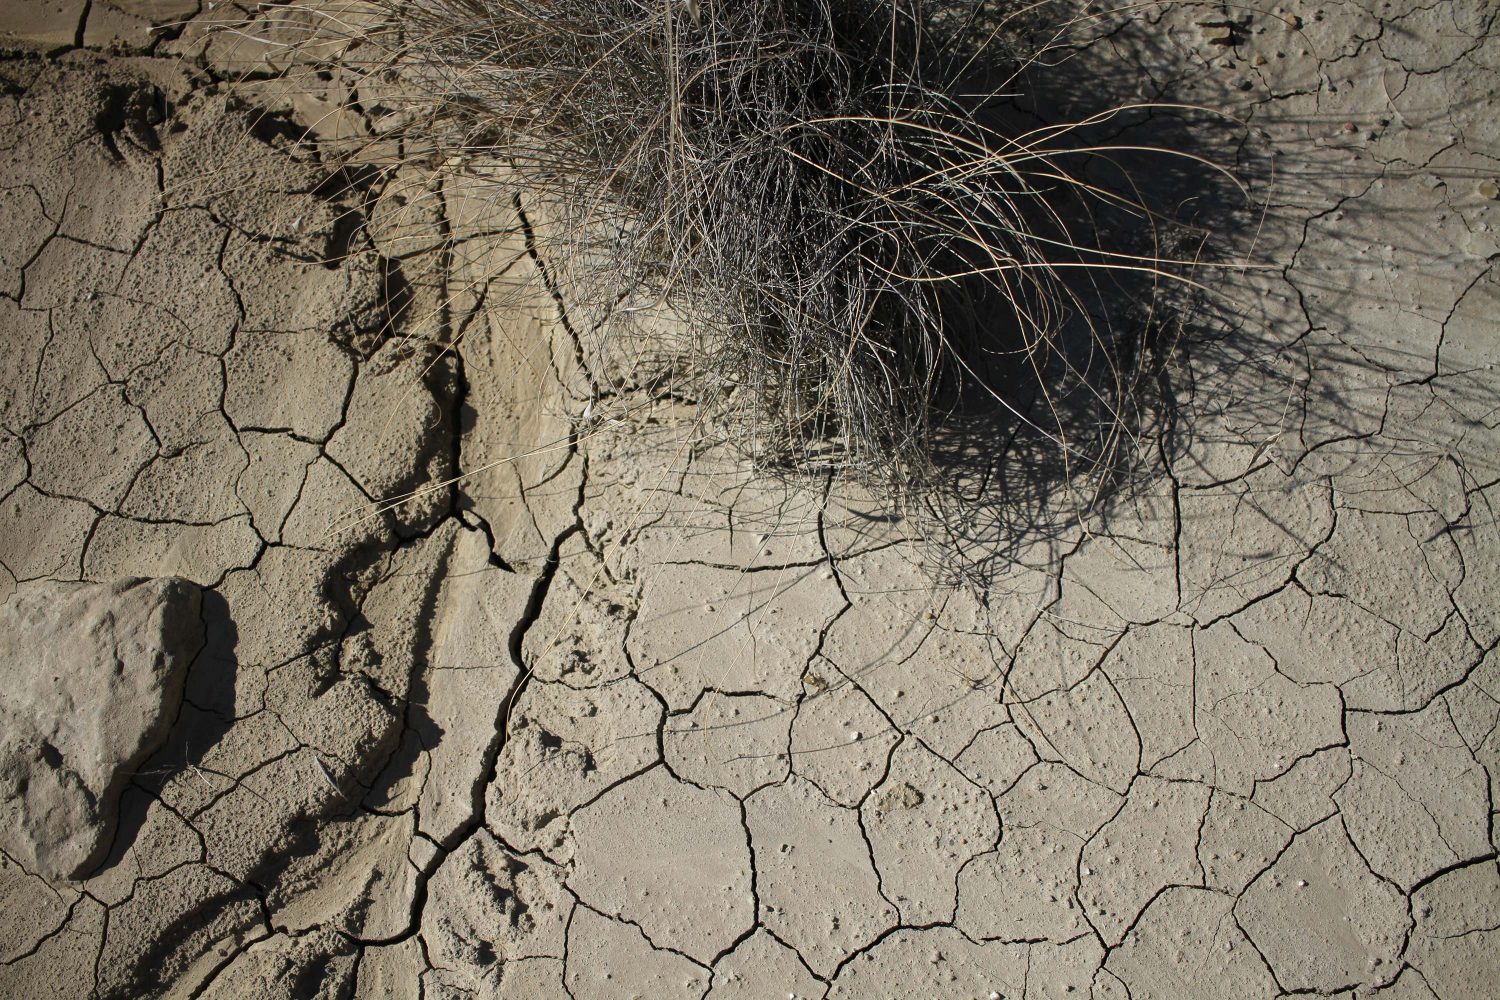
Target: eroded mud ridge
{"points": [[619, 719]]}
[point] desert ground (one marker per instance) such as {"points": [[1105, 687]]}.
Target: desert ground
{"points": [[617, 716]]}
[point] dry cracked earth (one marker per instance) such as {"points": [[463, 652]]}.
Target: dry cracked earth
{"points": [[616, 718]]}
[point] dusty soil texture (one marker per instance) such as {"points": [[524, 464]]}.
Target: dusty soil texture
{"points": [[618, 718]]}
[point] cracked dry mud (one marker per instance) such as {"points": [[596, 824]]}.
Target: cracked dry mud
{"points": [[618, 719]]}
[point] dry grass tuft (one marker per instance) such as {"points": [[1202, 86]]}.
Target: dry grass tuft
{"points": [[854, 245], [826, 193]]}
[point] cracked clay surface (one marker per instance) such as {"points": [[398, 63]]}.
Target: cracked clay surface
{"points": [[617, 719]]}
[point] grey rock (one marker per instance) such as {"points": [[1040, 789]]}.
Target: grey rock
{"points": [[91, 676]]}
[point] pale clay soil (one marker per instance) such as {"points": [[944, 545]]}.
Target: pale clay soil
{"points": [[619, 719]]}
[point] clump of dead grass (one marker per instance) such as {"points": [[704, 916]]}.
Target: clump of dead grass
{"points": [[827, 223], [826, 195]]}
